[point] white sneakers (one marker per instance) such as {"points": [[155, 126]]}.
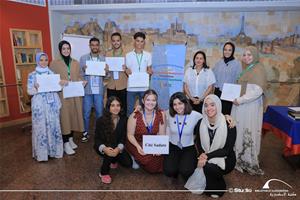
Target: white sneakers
{"points": [[68, 149], [73, 145], [70, 146]]}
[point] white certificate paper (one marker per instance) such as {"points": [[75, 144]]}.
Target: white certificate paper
{"points": [[48, 82], [156, 144], [230, 91], [115, 63], [73, 89], [96, 68], [138, 79]]}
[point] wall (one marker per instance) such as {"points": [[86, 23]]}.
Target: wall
{"points": [[20, 16], [275, 33]]}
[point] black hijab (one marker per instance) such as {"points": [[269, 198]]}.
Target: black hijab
{"points": [[231, 57], [66, 58]]}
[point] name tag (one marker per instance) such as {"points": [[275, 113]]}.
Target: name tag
{"points": [[156, 144]]}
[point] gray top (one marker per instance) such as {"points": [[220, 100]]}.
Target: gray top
{"points": [[226, 73], [187, 137], [94, 83]]}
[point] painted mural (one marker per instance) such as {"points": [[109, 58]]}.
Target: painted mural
{"points": [[275, 34]]}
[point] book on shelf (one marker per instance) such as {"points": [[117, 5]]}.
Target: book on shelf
{"points": [[30, 58], [294, 109], [18, 75], [24, 57], [295, 116], [15, 40]]}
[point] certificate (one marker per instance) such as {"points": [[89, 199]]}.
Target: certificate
{"points": [[138, 79], [96, 68], [48, 82], [115, 63], [73, 89], [230, 91], [156, 144]]}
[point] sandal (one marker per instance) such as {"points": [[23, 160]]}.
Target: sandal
{"points": [[105, 178]]}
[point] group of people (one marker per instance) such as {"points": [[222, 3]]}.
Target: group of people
{"points": [[201, 132]]}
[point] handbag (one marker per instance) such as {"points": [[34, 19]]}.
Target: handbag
{"points": [[197, 181]]}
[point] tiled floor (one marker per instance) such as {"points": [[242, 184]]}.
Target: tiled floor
{"points": [[18, 171]]}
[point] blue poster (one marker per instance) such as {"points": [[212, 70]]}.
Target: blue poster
{"points": [[168, 67]]}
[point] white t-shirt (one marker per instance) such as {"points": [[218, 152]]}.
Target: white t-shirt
{"points": [[198, 84], [133, 63], [187, 137]]}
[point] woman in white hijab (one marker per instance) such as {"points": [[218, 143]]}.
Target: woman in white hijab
{"points": [[45, 106], [215, 146]]}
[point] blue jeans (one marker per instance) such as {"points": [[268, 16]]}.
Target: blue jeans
{"points": [[89, 101], [131, 100]]}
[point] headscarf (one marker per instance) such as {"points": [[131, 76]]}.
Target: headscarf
{"points": [[231, 57], [65, 58], [256, 75], [220, 128], [38, 67]]}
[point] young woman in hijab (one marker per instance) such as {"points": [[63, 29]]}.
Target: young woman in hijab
{"points": [[71, 111], [45, 107], [248, 112], [110, 136], [147, 121], [181, 121], [226, 70], [215, 145], [198, 81]]}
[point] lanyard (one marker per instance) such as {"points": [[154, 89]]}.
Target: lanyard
{"points": [[247, 69], [149, 126], [139, 60], [40, 73], [178, 127], [69, 69]]}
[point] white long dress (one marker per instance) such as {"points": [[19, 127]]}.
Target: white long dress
{"points": [[248, 116], [46, 131]]}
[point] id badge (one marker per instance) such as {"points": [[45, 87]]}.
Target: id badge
{"points": [[116, 75], [50, 98], [95, 81], [179, 145]]}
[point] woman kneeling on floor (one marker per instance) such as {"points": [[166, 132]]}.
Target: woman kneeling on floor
{"points": [[215, 146], [110, 135]]}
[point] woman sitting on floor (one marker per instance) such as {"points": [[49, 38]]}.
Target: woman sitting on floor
{"points": [[148, 121], [215, 145], [110, 137]]}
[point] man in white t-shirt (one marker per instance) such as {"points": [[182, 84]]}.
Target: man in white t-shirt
{"points": [[137, 60]]}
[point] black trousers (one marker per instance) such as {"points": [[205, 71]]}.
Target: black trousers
{"points": [[226, 105], [180, 161], [214, 176], [123, 158], [122, 95]]}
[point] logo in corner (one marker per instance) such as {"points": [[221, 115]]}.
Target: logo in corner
{"points": [[266, 185]]}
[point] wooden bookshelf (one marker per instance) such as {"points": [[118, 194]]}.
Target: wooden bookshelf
{"points": [[3, 95], [25, 45]]}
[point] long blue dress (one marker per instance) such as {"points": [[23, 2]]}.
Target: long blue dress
{"points": [[46, 131]]}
